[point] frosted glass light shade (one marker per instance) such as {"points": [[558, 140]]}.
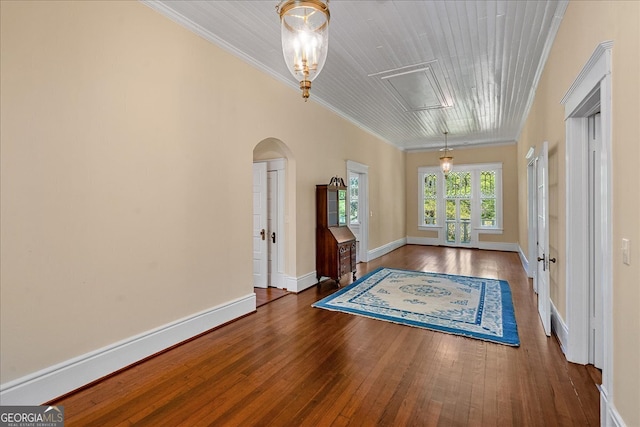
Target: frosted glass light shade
{"points": [[446, 163], [304, 29]]}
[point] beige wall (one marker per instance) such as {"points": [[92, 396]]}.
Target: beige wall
{"points": [[126, 151], [585, 25], [505, 154]]}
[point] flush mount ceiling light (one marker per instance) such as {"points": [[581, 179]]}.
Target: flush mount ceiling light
{"points": [[304, 27], [446, 160]]}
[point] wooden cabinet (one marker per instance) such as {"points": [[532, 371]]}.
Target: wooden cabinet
{"points": [[335, 243]]}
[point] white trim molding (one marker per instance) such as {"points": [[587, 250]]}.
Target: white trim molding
{"points": [[489, 246], [363, 172], [476, 199], [299, 284], [609, 416], [590, 92], [497, 246], [524, 261], [199, 30], [357, 167], [559, 328], [385, 249], [424, 241], [54, 381]]}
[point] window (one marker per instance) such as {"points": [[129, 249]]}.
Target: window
{"points": [[488, 198], [458, 207], [353, 199], [430, 184], [462, 205]]}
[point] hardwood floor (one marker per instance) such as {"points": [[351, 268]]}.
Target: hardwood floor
{"points": [[290, 364], [267, 295]]}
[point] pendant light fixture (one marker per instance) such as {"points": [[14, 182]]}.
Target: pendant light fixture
{"points": [[446, 160], [304, 27]]}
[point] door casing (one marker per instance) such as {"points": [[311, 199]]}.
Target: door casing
{"points": [[363, 204]]}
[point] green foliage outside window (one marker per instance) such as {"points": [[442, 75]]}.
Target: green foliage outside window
{"points": [[488, 198], [430, 199], [353, 199]]}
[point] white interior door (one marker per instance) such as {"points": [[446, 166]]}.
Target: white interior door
{"points": [[273, 231], [532, 196], [596, 354], [260, 255], [542, 274]]}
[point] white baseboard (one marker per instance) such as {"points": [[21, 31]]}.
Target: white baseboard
{"points": [[308, 280], [498, 246], [299, 284], [52, 382], [425, 241], [525, 262], [490, 246], [609, 416], [559, 327], [385, 249]]}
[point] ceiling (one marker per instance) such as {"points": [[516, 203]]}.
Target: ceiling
{"points": [[403, 70]]}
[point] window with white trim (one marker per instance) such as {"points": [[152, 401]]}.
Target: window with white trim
{"points": [[462, 205], [354, 199]]}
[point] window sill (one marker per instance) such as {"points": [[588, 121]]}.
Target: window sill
{"points": [[430, 227], [482, 230]]}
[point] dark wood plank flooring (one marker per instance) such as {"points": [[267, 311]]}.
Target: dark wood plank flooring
{"points": [[290, 364], [267, 295]]}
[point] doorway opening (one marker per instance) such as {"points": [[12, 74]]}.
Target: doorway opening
{"points": [[271, 232], [589, 231], [358, 207]]}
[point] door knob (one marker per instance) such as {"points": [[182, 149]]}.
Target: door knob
{"points": [[544, 264], [262, 234], [553, 260], [273, 237]]}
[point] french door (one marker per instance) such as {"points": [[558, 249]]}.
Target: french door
{"points": [[458, 208]]}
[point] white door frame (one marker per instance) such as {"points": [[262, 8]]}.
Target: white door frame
{"points": [[279, 166], [542, 283], [595, 246], [591, 88], [533, 223], [259, 226], [363, 201]]}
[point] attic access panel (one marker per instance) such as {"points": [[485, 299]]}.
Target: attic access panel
{"points": [[417, 87]]}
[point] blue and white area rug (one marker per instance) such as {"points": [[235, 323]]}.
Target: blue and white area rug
{"points": [[470, 306]]}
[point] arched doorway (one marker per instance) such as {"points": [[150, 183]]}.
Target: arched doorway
{"points": [[273, 202]]}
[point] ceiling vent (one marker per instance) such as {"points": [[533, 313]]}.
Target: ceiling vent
{"points": [[417, 87]]}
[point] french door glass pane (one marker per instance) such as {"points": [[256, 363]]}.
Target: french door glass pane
{"points": [[451, 231], [451, 209], [465, 209], [465, 231]]}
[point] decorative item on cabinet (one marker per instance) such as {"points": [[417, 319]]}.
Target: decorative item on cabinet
{"points": [[335, 243]]}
